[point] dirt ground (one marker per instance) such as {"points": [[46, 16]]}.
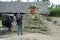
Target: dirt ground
{"points": [[27, 36], [54, 30]]}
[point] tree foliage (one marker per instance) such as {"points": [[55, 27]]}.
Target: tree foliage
{"points": [[55, 12]]}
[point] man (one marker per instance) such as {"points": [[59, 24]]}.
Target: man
{"points": [[19, 23]]}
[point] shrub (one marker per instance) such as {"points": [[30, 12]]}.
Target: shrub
{"points": [[55, 12]]}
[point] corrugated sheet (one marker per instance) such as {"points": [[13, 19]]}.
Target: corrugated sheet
{"points": [[23, 7]]}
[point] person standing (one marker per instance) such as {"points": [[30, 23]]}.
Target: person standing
{"points": [[19, 23]]}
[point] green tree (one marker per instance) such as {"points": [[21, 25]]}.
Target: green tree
{"points": [[45, 0], [18, 0], [37, 0], [55, 12]]}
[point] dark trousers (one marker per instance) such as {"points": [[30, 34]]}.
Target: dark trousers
{"points": [[19, 29]]}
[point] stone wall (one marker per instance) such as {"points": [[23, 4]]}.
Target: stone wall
{"points": [[34, 25]]}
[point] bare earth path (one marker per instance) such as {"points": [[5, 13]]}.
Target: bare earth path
{"points": [[28, 36]]}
